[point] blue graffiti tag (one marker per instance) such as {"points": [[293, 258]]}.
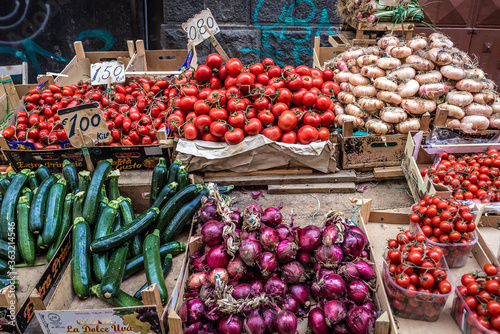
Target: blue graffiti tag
{"points": [[279, 31]]}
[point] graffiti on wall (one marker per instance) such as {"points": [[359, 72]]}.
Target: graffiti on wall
{"points": [[279, 30], [27, 22]]}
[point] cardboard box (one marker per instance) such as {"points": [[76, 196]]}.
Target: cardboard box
{"points": [[53, 159], [340, 43], [40, 279]]}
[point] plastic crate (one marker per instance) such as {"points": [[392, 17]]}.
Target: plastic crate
{"points": [[456, 254], [413, 304]]}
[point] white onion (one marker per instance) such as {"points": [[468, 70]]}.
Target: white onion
{"points": [[494, 121], [387, 41], [419, 63], [474, 73], [452, 72], [488, 84], [433, 90], [372, 71], [398, 51], [338, 109], [389, 97], [408, 88], [453, 123], [459, 98], [356, 121], [346, 98], [412, 124], [352, 54], [378, 127], [346, 87], [496, 106], [417, 43], [418, 106], [440, 57], [403, 73], [355, 111], [342, 76], [428, 77], [370, 104], [485, 97], [358, 80], [470, 85], [393, 115], [385, 84], [366, 60], [476, 109], [469, 123], [366, 90], [387, 63], [453, 111]]}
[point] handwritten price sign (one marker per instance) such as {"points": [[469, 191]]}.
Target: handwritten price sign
{"points": [[102, 72], [88, 119], [195, 29]]}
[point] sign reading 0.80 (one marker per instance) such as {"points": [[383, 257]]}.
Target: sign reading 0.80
{"points": [[195, 26], [89, 119]]}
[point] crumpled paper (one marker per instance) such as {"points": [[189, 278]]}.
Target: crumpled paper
{"points": [[256, 153]]}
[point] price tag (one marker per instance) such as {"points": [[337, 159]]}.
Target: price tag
{"points": [[102, 72], [88, 119], [195, 29]]}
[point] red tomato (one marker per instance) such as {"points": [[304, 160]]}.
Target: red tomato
{"points": [[203, 73], [327, 118], [273, 133], [265, 117], [311, 118], [252, 126], [214, 60], [289, 137], [323, 134], [233, 67], [234, 136], [218, 129], [287, 121]]}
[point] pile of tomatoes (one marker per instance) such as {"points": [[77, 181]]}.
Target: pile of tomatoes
{"points": [[469, 177], [447, 223], [415, 278], [480, 292], [214, 102]]}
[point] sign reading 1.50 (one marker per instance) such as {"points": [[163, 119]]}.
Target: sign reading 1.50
{"points": [[195, 26], [114, 71]]}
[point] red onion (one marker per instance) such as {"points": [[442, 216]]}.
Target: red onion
{"points": [[349, 272], [241, 291], [217, 257], [335, 312], [358, 291], [221, 273], [199, 264], [316, 290], [209, 212], [249, 235], [250, 252], [269, 238], [195, 310], [309, 238], [269, 316], [236, 218], [191, 329], [254, 323], [341, 329], [293, 272], [257, 286], [287, 251], [206, 291], [306, 258], [291, 303], [236, 268], [368, 305], [272, 216], [330, 235], [356, 229], [268, 263], [360, 321], [323, 272], [366, 271], [275, 287], [353, 244], [316, 321], [196, 280], [329, 256], [211, 232], [365, 254], [183, 312], [332, 286], [232, 324], [255, 208], [284, 231], [285, 322], [213, 313], [301, 292]]}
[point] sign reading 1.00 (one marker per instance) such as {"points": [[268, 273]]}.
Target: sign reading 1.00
{"points": [[195, 26]]}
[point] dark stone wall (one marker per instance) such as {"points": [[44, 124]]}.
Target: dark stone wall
{"points": [[254, 29]]}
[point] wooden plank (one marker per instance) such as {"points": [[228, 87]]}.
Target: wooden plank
{"points": [[388, 217], [80, 54], [388, 172], [337, 188], [291, 171], [386, 26], [256, 180], [37, 301], [151, 296]]}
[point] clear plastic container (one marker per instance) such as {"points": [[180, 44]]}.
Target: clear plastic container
{"points": [[413, 304], [456, 254], [462, 314]]}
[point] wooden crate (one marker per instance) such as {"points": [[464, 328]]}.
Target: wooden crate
{"points": [[366, 34], [9, 98], [340, 43], [382, 225]]}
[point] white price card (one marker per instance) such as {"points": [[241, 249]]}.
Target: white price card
{"points": [[102, 72], [88, 119], [195, 26]]}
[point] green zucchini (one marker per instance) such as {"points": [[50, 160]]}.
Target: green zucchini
{"points": [[118, 223], [165, 268], [83, 180], [42, 173], [112, 279], [152, 263], [9, 252], [4, 267], [80, 266], [25, 239], [78, 205], [39, 247], [122, 299], [103, 227], [158, 180], [70, 175], [165, 194], [126, 233], [127, 216], [102, 194], [28, 193], [182, 178], [37, 209], [113, 192], [173, 170], [67, 218], [32, 181], [4, 184], [54, 212], [7, 280], [136, 263], [174, 204], [8, 209], [92, 198], [10, 175], [182, 218]]}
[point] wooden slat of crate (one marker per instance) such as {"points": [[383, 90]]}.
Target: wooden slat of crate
{"points": [[335, 188], [291, 171]]}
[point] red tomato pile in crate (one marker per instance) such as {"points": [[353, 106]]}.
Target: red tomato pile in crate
{"points": [[416, 277], [480, 293], [215, 102], [469, 177]]}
